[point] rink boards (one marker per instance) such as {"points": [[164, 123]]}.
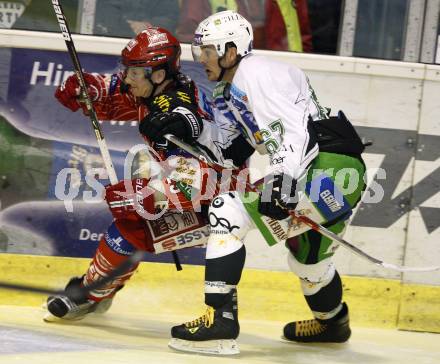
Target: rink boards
{"points": [[263, 295], [393, 104]]}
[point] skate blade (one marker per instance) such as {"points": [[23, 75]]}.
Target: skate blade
{"points": [[211, 347], [103, 306], [48, 317]]}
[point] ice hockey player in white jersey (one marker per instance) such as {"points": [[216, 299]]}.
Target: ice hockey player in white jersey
{"points": [[276, 110]]}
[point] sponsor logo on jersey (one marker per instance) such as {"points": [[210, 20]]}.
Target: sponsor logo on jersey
{"points": [[183, 96], [140, 194], [327, 198], [237, 93], [185, 189], [296, 224], [171, 224], [330, 200], [164, 225], [169, 244], [192, 236], [276, 228], [184, 240], [277, 160]]}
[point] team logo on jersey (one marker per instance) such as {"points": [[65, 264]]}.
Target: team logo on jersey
{"points": [[163, 101]]}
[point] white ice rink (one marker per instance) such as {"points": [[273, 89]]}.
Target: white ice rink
{"points": [[118, 337]]}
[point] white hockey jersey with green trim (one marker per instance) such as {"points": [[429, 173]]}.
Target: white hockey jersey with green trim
{"points": [[271, 103]]}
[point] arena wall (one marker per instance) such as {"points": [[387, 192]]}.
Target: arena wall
{"points": [[396, 106]]}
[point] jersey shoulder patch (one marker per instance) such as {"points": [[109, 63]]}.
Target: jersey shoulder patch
{"points": [[172, 98]]}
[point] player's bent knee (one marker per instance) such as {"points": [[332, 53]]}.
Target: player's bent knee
{"points": [[313, 276], [229, 224]]}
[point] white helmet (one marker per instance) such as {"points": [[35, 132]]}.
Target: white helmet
{"points": [[221, 28]]}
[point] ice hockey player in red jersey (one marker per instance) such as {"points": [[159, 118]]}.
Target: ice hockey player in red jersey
{"points": [[150, 89]]}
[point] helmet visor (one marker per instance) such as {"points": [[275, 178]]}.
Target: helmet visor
{"points": [[136, 73], [204, 52], [196, 51]]}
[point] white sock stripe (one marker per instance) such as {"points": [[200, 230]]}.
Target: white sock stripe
{"points": [[101, 272], [121, 203], [218, 287], [327, 315]]}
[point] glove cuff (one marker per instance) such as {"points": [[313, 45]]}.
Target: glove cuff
{"points": [[194, 125]]}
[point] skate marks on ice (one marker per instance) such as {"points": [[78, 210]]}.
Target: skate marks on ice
{"points": [[142, 338]]}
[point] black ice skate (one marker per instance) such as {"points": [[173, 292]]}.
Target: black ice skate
{"points": [[335, 330], [65, 308], [213, 333]]}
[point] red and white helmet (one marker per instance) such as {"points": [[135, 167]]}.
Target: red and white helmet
{"points": [[153, 48]]}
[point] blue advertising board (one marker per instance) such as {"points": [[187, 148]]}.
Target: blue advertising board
{"points": [[39, 137]]}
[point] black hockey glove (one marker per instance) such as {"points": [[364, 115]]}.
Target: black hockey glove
{"points": [[278, 196], [182, 123]]}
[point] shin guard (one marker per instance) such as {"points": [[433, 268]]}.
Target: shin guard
{"points": [[112, 251], [222, 275]]}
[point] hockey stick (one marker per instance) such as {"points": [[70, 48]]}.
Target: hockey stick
{"points": [[62, 22], [304, 219]]}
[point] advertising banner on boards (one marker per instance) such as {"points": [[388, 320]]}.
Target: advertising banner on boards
{"points": [[39, 138]]}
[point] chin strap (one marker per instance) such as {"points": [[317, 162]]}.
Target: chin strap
{"points": [[155, 86], [223, 69], [124, 87]]}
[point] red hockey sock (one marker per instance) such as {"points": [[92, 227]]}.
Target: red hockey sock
{"points": [[104, 262]]}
